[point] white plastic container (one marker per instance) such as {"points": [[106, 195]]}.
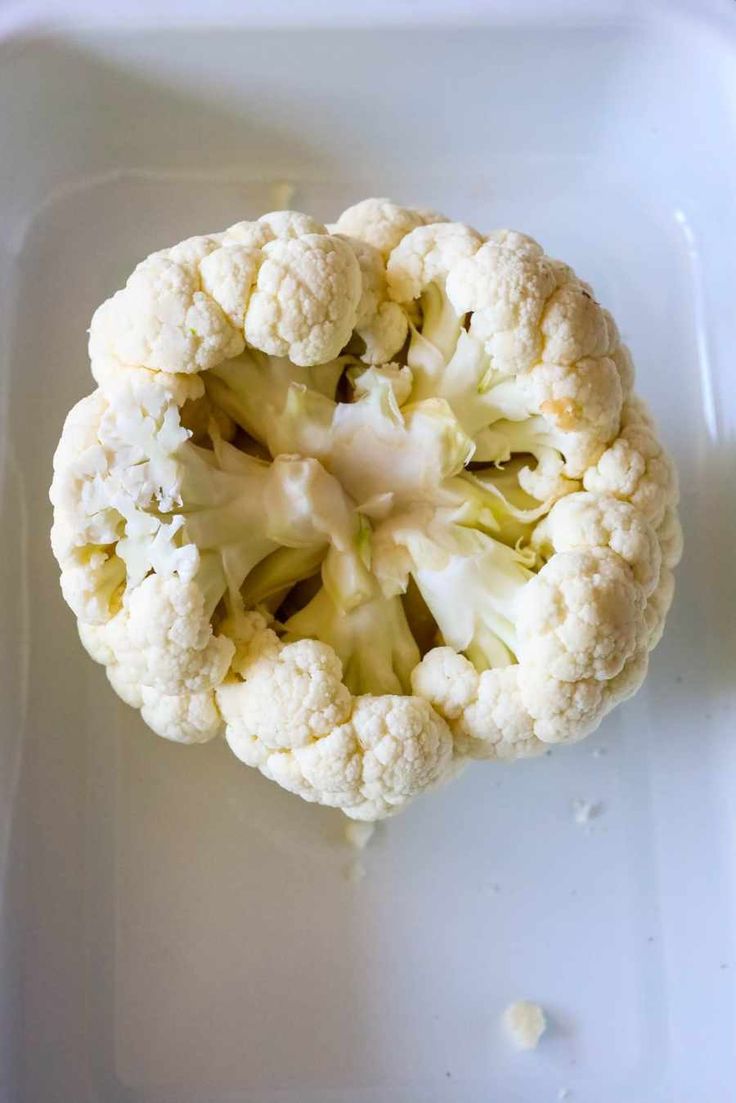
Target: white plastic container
{"points": [[177, 930]]}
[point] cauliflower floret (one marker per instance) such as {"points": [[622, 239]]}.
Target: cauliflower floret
{"points": [[563, 415], [405, 748], [392, 749], [562, 711], [382, 223], [497, 724], [283, 283], [515, 711], [575, 327], [581, 616], [293, 718], [228, 275], [287, 698], [526, 1023], [91, 582], [290, 224], [584, 520], [110, 375], [582, 402], [95, 643], [636, 467], [83, 513], [163, 319], [186, 718], [447, 680], [426, 255], [183, 718], [305, 300], [506, 283], [382, 325], [163, 638], [129, 691]]}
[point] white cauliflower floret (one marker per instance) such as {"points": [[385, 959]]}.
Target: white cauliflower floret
{"points": [[305, 299], [392, 749], [128, 688], [186, 718], [382, 223], [110, 375], [581, 616], [636, 467], [506, 284], [575, 327], [562, 711], [405, 747], [382, 325], [292, 717], [282, 283], [287, 698], [163, 319], [584, 520], [515, 711], [426, 255], [91, 582], [83, 511], [290, 224], [182, 718], [447, 679], [163, 637], [228, 275], [582, 403], [497, 724], [526, 1023], [95, 643]]}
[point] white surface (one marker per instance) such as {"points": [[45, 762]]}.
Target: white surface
{"points": [[177, 929]]}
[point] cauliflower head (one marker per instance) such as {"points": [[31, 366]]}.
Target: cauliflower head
{"points": [[370, 500]]}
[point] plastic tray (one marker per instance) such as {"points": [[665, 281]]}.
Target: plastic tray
{"points": [[177, 930]]}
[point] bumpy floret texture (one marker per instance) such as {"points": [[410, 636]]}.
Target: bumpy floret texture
{"points": [[370, 500]]}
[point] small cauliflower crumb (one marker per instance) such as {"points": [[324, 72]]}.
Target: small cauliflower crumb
{"points": [[563, 1094], [585, 810], [525, 1023], [355, 872], [359, 833]]}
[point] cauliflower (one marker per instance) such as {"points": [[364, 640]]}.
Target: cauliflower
{"points": [[525, 1024], [371, 500]]}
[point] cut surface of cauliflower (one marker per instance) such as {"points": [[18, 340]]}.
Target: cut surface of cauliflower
{"points": [[370, 500]]}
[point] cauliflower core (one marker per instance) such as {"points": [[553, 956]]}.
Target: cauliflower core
{"points": [[370, 501]]}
